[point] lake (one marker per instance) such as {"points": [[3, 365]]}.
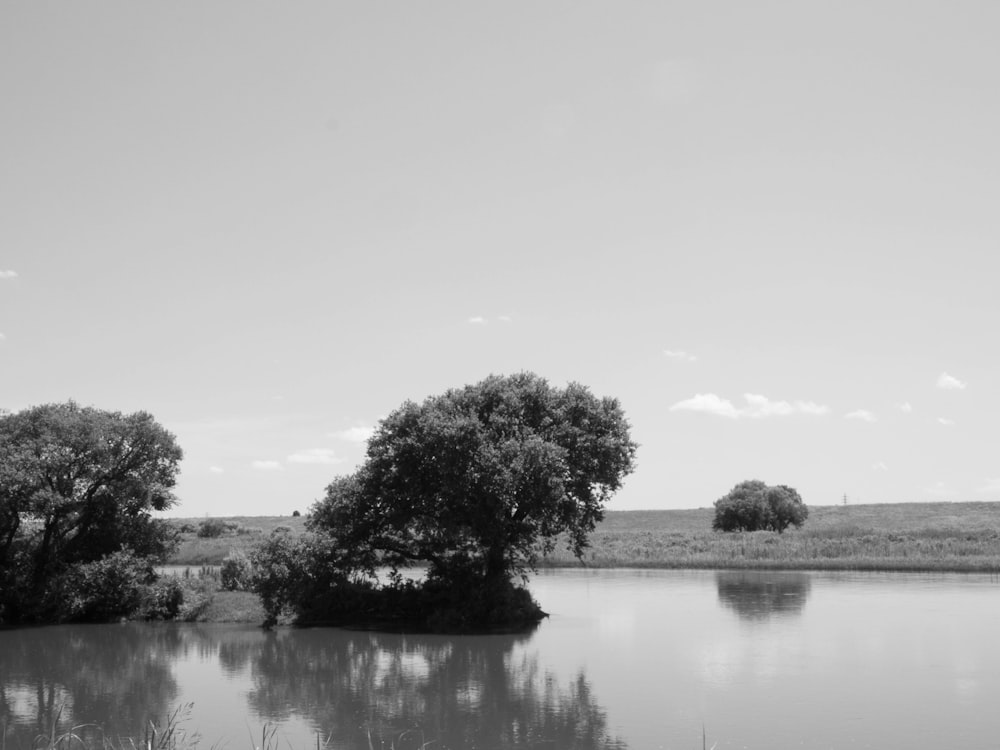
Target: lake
{"points": [[627, 659]]}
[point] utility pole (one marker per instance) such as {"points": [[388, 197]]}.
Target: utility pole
{"points": [[845, 498]]}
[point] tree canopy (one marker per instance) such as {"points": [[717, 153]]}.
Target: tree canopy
{"points": [[754, 506], [478, 482], [77, 484]]}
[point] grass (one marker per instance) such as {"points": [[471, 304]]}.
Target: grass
{"points": [[172, 735], [242, 533], [960, 537]]}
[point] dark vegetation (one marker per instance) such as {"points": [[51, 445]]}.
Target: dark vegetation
{"points": [[77, 538], [476, 484], [753, 506]]}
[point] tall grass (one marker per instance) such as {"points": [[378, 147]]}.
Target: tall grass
{"points": [[962, 537], [912, 537]]}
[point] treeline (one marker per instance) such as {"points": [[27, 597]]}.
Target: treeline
{"points": [[474, 485]]}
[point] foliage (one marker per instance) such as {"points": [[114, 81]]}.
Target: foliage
{"points": [[236, 572], [211, 528], [295, 514], [754, 506], [164, 600], [476, 484], [278, 574], [107, 589], [77, 485]]}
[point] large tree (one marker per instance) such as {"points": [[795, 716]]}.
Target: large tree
{"points": [[478, 482], [77, 484], [754, 506]]}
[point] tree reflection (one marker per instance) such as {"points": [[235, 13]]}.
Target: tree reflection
{"points": [[363, 689], [761, 594], [70, 675]]}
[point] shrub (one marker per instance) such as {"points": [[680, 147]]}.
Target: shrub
{"points": [[236, 572], [211, 528], [754, 506], [164, 599], [108, 589], [295, 514]]}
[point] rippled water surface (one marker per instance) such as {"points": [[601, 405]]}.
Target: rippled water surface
{"points": [[627, 659]]}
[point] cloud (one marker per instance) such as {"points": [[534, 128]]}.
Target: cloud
{"points": [[757, 406], [356, 434], [880, 466], [8, 274], [905, 407], [2, 337], [266, 465], [505, 318], [679, 355], [708, 403], [477, 320], [950, 382], [216, 470], [945, 421], [314, 456], [863, 414]]}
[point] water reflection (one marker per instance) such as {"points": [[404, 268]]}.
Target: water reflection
{"points": [[119, 675], [759, 595], [485, 691]]}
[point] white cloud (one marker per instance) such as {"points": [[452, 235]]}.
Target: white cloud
{"points": [[950, 382], [863, 414], [2, 337], [505, 319], [757, 406], [266, 465], [880, 466], [356, 434], [679, 355], [314, 456], [708, 403], [216, 470], [905, 407], [8, 274], [477, 320], [945, 421]]}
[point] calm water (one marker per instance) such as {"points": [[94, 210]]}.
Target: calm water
{"points": [[627, 660]]}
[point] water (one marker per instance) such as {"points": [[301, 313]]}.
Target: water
{"points": [[628, 659]]}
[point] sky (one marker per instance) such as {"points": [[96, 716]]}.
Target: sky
{"points": [[769, 229]]}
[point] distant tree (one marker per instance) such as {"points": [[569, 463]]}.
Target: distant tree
{"points": [[77, 484], [476, 484], [754, 506], [211, 528], [295, 514]]}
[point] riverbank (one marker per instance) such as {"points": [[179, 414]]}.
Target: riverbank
{"points": [[947, 537]]}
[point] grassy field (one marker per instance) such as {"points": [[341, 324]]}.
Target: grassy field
{"points": [[242, 533], [910, 536], [906, 536]]}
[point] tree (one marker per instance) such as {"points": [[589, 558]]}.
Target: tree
{"points": [[77, 484], [476, 484], [754, 506]]}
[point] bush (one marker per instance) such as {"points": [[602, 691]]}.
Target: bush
{"points": [[111, 588], [754, 506], [295, 514], [211, 528], [164, 600], [236, 572]]}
